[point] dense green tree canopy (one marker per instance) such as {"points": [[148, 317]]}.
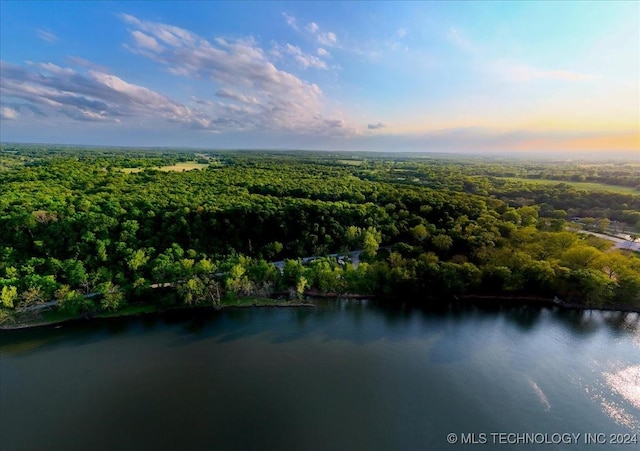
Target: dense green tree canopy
{"points": [[120, 223]]}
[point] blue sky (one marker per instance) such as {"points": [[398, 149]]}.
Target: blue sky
{"points": [[415, 76]]}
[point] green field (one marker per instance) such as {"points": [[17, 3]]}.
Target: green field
{"points": [[350, 162], [585, 186], [178, 167]]}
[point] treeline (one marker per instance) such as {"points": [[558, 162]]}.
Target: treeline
{"points": [[74, 223], [614, 174], [562, 200]]}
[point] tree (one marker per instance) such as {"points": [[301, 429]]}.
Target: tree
{"points": [[292, 271], [627, 289], [237, 280], [420, 232], [8, 296], [71, 302], [301, 286], [273, 249], [371, 239], [32, 296], [538, 276], [76, 274], [442, 242], [496, 279], [528, 215], [192, 291], [512, 216], [112, 297], [614, 263], [591, 286], [581, 256], [137, 259], [326, 275], [603, 224]]}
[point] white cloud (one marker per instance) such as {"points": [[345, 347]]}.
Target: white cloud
{"points": [[247, 91], [91, 96], [401, 32], [512, 71], [145, 41], [226, 93], [8, 113], [323, 52], [518, 72], [46, 35], [291, 21], [329, 39], [304, 59], [55, 69], [282, 100], [81, 62]]}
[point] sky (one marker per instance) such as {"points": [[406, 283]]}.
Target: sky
{"points": [[468, 77]]}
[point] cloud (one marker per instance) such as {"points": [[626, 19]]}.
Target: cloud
{"points": [[280, 99], [377, 126], [401, 32], [247, 92], [25, 110], [46, 35], [55, 69], [225, 93], [81, 62], [305, 60], [145, 41], [92, 96], [7, 112], [323, 52], [328, 39], [524, 73], [512, 71], [334, 123], [291, 21]]}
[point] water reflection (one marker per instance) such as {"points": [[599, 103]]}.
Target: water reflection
{"points": [[540, 394], [343, 375], [283, 325], [626, 383], [580, 322], [525, 318]]}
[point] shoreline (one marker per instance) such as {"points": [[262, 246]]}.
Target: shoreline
{"points": [[467, 299], [157, 310]]}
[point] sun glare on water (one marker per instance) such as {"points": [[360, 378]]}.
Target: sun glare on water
{"points": [[626, 383]]}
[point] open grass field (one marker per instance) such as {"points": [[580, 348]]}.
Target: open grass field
{"points": [[350, 162], [183, 167], [585, 186], [178, 167]]}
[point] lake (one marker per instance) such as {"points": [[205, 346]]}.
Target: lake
{"points": [[340, 376]]}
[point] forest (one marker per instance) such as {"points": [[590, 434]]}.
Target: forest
{"points": [[87, 231]]}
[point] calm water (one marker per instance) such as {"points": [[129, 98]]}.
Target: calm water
{"points": [[342, 376]]}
